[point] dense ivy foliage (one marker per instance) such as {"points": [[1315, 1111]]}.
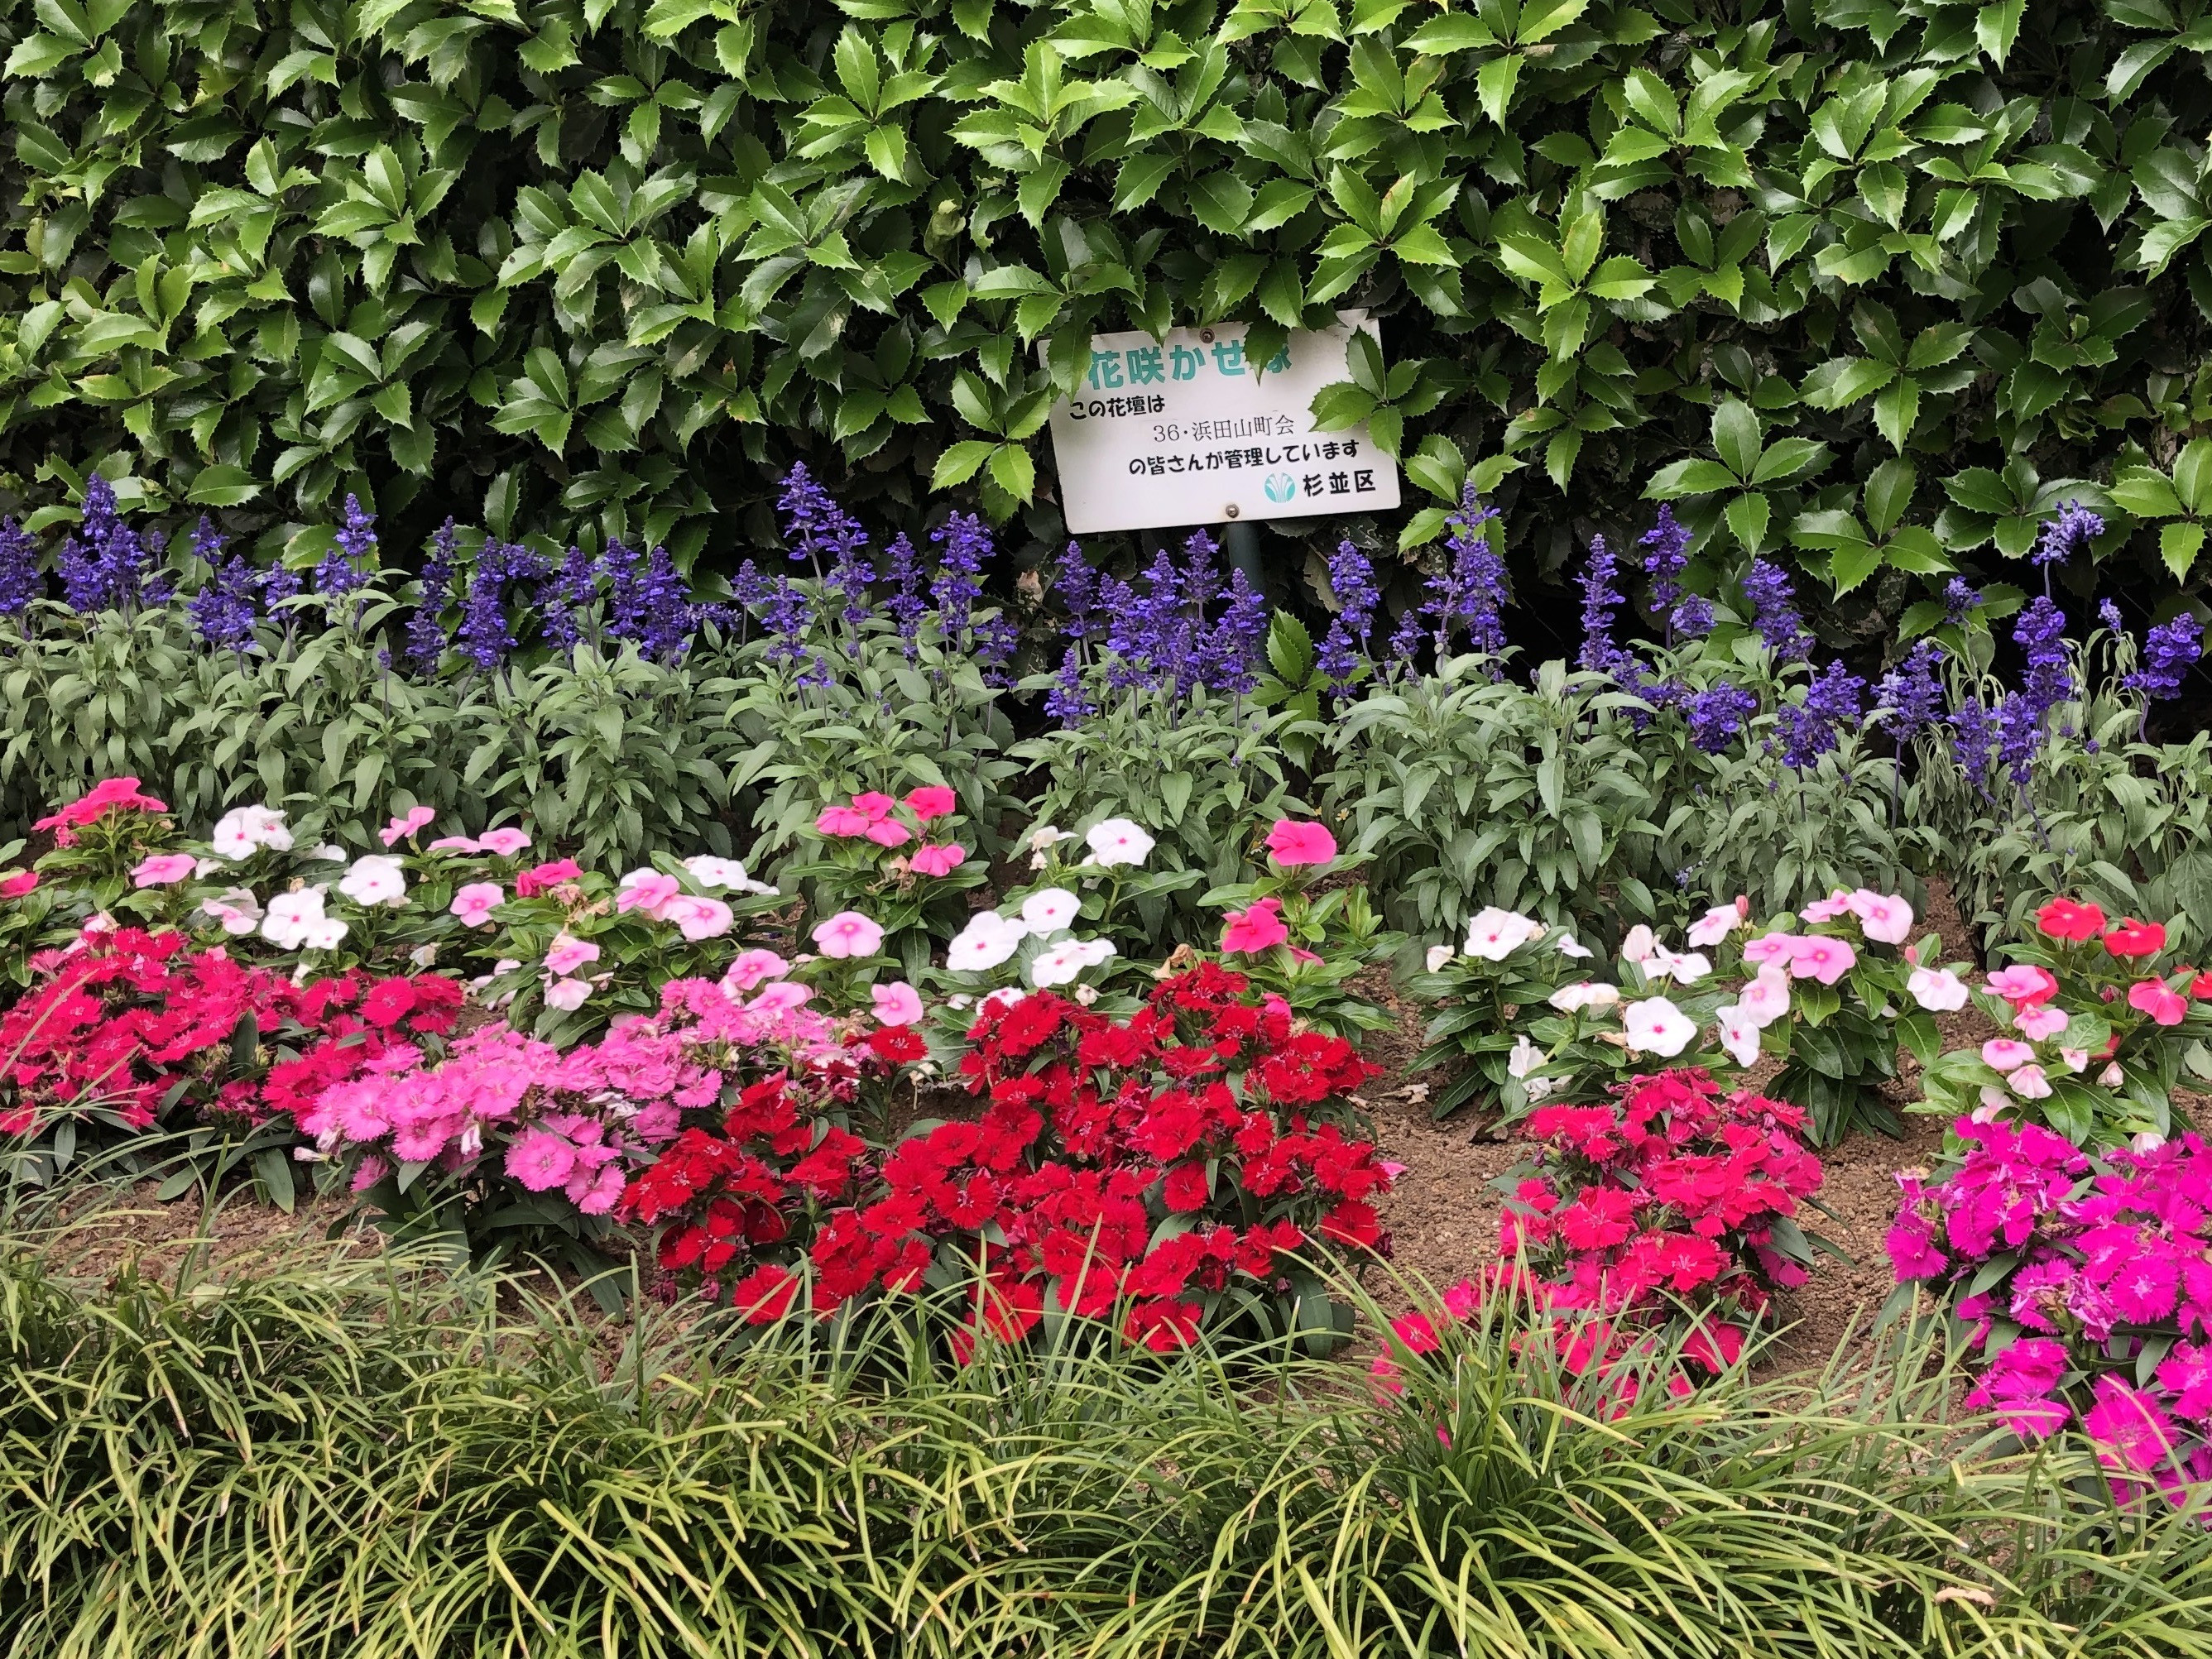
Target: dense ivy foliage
{"points": [[1874, 281]]}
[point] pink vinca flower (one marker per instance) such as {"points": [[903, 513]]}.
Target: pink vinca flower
{"points": [[567, 994], [1825, 959], [930, 801], [2022, 985], [504, 843], [162, 869], [2004, 1055], [1257, 929], [1837, 903], [2152, 997], [847, 933], [2029, 1083], [751, 967], [696, 918], [778, 996], [2039, 1024], [1290, 843], [1771, 947], [475, 902], [1886, 918], [1766, 999], [897, 1004], [406, 824], [569, 954], [456, 844], [842, 822], [649, 890], [937, 860]]}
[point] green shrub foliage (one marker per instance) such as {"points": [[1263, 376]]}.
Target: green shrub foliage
{"points": [[1867, 280]]}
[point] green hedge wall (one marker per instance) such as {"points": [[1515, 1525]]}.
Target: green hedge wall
{"points": [[1871, 281]]}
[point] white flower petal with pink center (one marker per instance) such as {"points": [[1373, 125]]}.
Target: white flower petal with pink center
{"points": [[1496, 934], [1738, 1033], [1657, 1026], [1936, 989], [1716, 925], [1765, 998], [987, 940], [1568, 999]]}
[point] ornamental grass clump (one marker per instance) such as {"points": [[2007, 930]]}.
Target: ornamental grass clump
{"points": [[368, 1460]]}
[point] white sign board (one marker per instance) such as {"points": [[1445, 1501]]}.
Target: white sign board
{"points": [[1185, 431]]}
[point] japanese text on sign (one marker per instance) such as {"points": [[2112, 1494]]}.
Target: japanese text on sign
{"points": [[1186, 430]]}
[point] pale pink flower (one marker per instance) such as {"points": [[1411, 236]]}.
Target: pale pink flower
{"points": [[1886, 918], [847, 933], [1771, 947], [1716, 925], [506, 843], [456, 844], [567, 994], [570, 953], [2003, 1053], [751, 967], [1738, 1033], [777, 996], [1765, 998], [161, 869], [406, 824], [649, 890], [1936, 989], [475, 902], [1837, 903], [696, 918], [1825, 959], [2029, 1083], [2038, 1023], [2077, 1060], [897, 1004]]}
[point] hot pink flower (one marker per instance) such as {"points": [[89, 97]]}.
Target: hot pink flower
{"points": [[897, 1004], [842, 821], [2004, 1055], [875, 803], [1290, 843], [1257, 929], [847, 933], [161, 869], [475, 902], [888, 832], [1825, 959], [931, 801], [937, 860], [17, 882], [2151, 997], [2132, 1428], [506, 843], [406, 824], [540, 1160]]}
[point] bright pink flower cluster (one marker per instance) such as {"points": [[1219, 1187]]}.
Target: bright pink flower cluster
{"points": [[2101, 1265], [580, 1122], [1196, 1109], [110, 795], [136, 1023]]}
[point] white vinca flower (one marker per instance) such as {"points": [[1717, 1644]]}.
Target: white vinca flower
{"points": [[1936, 989], [378, 878], [1438, 955], [243, 829], [1525, 1058], [1568, 999], [1657, 1026], [1683, 967], [296, 922], [1496, 934], [1050, 910], [1056, 967], [1739, 1033], [987, 940], [236, 910], [1115, 842]]}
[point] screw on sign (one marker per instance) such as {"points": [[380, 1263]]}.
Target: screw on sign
{"points": [[1187, 429]]}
